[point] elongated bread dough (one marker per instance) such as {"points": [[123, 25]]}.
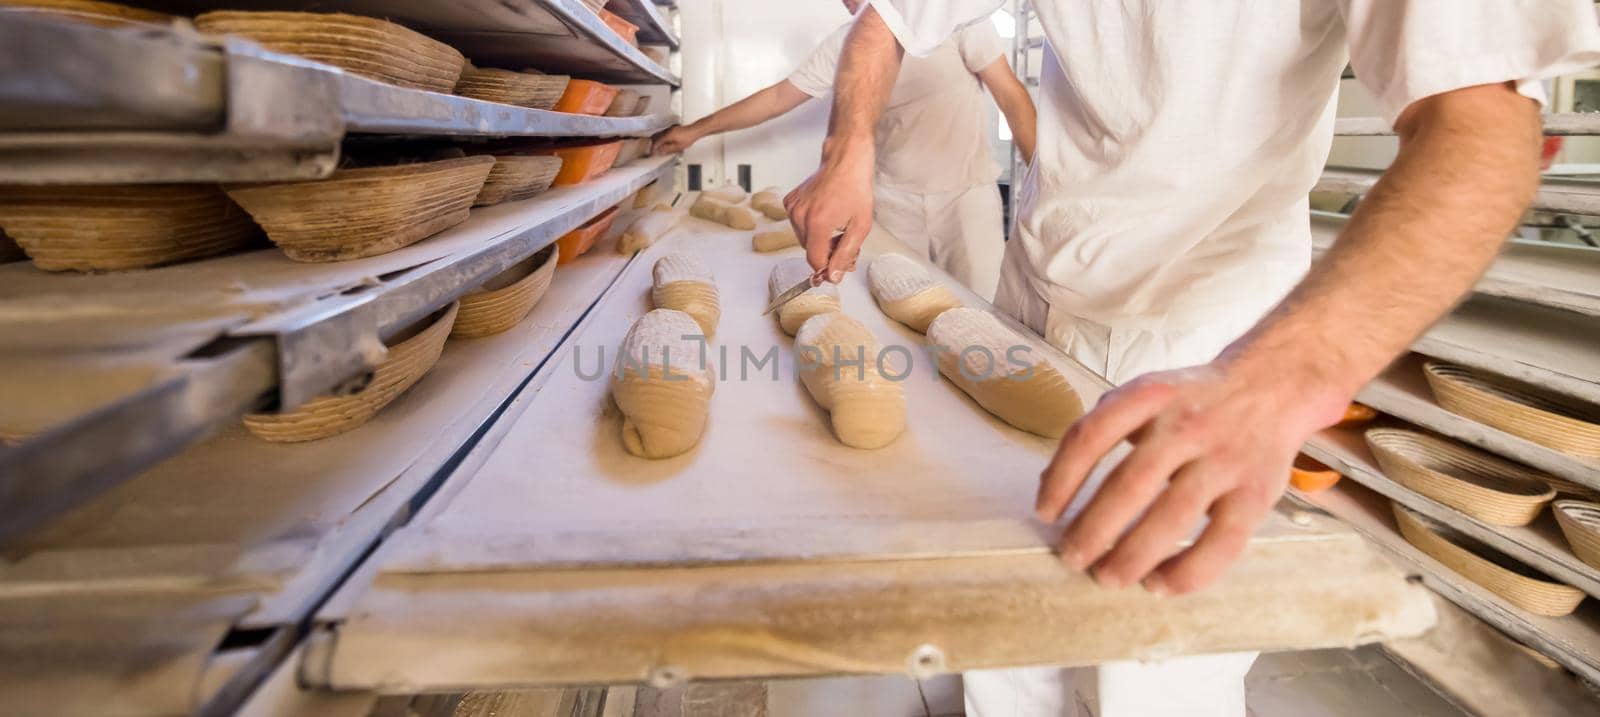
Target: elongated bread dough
{"points": [[729, 193], [774, 240], [683, 283], [722, 213], [999, 370], [769, 201], [661, 385], [839, 366], [649, 227], [817, 300], [646, 195], [906, 293]]}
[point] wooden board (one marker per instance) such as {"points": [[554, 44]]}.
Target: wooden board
{"points": [[771, 549]]}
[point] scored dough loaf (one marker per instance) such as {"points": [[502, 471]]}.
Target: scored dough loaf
{"points": [[1019, 387], [729, 193], [906, 293], [661, 385], [649, 227], [817, 300], [769, 201], [838, 359], [722, 213], [683, 283], [775, 240]]}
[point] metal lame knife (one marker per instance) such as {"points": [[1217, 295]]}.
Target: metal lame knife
{"points": [[798, 289]]}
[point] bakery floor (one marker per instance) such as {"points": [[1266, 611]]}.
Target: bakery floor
{"points": [[1316, 683]]}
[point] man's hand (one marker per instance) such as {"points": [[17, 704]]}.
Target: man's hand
{"points": [[1210, 441], [675, 140], [836, 198]]}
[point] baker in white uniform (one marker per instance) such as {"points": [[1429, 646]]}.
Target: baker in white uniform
{"points": [[935, 180], [1163, 240]]}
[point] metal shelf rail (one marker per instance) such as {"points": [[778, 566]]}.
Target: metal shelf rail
{"points": [[283, 359], [1570, 196], [1563, 124], [200, 111], [654, 27]]}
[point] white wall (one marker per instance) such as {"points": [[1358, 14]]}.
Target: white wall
{"points": [[732, 48]]}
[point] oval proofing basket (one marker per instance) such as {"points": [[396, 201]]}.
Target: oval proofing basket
{"points": [[1551, 421], [1478, 484], [501, 302], [517, 177], [364, 212], [373, 48], [1580, 523], [118, 227], [93, 12], [1516, 583], [524, 89], [326, 416]]}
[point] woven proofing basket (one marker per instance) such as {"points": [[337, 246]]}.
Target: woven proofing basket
{"points": [[328, 416], [364, 212], [516, 177], [1580, 523], [93, 12], [625, 104], [504, 300], [9, 251], [1502, 576], [1550, 421], [524, 89], [1495, 491], [373, 48], [117, 227]]}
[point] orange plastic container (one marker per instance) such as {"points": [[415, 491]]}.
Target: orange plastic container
{"points": [[1310, 476], [574, 243], [586, 97], [628, 31], [1357, 415], [584, 162]]}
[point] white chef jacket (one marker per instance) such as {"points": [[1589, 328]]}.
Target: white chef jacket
{"points": [[1178, 140], [932, 136]]}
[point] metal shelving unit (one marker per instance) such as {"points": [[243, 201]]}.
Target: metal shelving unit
{"points": [[217, 112]]}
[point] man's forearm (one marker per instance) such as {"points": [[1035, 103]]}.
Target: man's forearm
{"points": [[868, 66], [1466, 171], [750, 111]]}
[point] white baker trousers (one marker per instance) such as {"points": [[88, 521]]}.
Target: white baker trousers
{"points": [[1196, 686], [962, 231]]}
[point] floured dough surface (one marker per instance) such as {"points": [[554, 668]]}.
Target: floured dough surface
{"points": [[769, 202], [727, 194], [713, 210], [683, 283], [649, 227], [817, 300], [839, 365], [661, 385], [775, 240], [906, 293], [999, 370]]}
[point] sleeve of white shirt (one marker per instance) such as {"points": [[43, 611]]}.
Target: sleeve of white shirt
{"points": [[815, 76], [1406, 50], [980, 45], [922, 25]]}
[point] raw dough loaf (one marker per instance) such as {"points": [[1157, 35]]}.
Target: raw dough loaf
{"points": [[906, 293], [646, 195], [867, 409], [817, 300], [649, 227], [775, 240], [1020, 387], [661, 416], [727, 194], [722, 213], [769, 201], [683, 283]]}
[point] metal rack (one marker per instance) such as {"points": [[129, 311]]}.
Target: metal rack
{"points": [[654, 27], [1555, 125], [1571, 196]]}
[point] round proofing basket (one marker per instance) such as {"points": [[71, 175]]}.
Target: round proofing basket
{"points": [[624, 104], [1580, 523], [1549, 421], [119, 227], [326, 416], [516, 177], [364, 212], [504, 300], [1516, 583], [1482, 486], [378, 49], [524, 89], [93, 12]]}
